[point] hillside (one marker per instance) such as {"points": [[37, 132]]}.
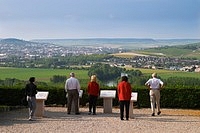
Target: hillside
{"points": [[168, 48], [125, 43], [14, 41], [185, 51]]}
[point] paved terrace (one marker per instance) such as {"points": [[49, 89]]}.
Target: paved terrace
{"points": [[56, 120]]}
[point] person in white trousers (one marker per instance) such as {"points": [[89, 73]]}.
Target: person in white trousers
{"points": [[154, 84]]}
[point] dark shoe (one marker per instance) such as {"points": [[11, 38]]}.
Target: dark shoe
{"points": [[77, 113], [68, 113], [153, 114], [122, 119], [89, 113], [159, 112], [94, 114]]}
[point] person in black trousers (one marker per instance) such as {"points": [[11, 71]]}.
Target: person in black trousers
{"points": [[30, 92]]}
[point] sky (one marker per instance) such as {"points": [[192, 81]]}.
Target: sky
{"points": [[69, 19]]}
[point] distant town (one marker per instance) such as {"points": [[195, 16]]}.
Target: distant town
{"points": [[20, 53]]}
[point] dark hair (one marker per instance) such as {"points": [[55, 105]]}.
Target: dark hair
{"points": [[72, 74], [124, 78], [32, 79]]}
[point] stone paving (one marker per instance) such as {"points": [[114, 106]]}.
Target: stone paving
{"points": [[56, 120]]}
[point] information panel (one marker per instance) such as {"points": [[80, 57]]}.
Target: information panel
{"points": [[107, 93], [80, 93], [42, 95], [134, 96]]}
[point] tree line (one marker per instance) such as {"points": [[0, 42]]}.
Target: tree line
{"points": [[105, 72]]}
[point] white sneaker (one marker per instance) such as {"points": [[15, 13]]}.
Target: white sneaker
{"points": [[30, 119]]}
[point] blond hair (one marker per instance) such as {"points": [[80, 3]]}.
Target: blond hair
{"points": [[154, 75], [93, 78]]}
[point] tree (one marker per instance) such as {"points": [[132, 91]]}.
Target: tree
{"points": [[105, 72]]}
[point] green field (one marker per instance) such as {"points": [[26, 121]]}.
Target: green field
{"points": [[186, 51], [169, 73], [40, 74], [45, 74]]}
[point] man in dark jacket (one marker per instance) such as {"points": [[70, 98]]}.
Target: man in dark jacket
{"points": [[31, 91]]}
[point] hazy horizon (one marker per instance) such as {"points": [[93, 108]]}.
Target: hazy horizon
{"points": [[101, 38], [135, 43]]}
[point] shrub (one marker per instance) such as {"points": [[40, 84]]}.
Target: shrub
{"points": [[170, 98]]}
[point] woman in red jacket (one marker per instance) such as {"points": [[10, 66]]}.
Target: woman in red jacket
{"points": [[124, 95], [93, 92]]}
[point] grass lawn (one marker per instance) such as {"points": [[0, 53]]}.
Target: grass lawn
{"points": [[164, 74], [169, 73], [40, 74], [44, 75]]}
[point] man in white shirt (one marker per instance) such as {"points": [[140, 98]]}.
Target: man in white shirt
{"points": [[72, 87], [154, 85]]}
